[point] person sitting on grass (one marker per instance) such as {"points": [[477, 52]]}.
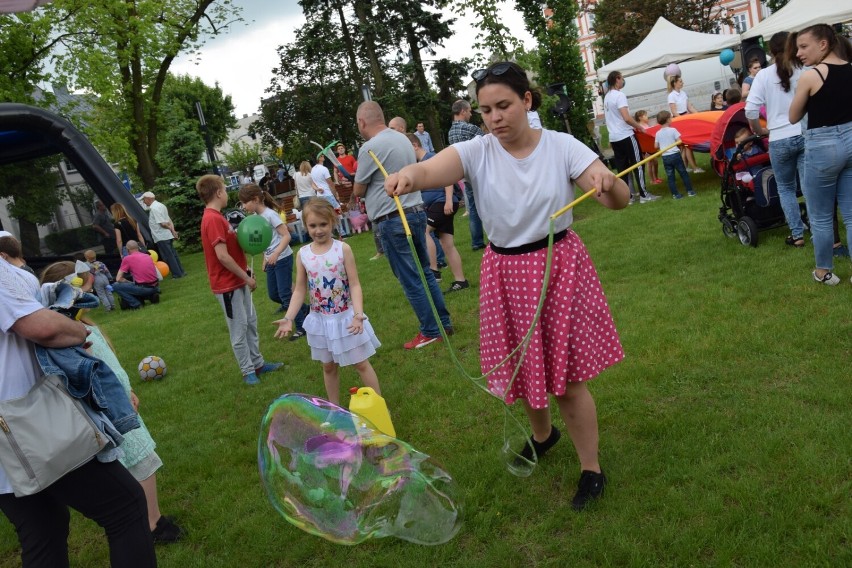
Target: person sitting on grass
{"points": [[231, 283], [672, 161], [138, 449], [337, 328], [146, 279], [102, 277]]}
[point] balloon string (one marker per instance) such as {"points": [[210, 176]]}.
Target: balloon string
{"points": [[251, 301]]}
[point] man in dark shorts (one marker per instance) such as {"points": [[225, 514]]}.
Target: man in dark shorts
{"points": [[441, 205]]}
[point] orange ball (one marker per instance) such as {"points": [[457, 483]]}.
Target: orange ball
{"points": [[162, 267]]}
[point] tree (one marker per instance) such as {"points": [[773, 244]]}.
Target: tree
{"points": [[32, 187], [122, 51], [559, 58], [493, 36], [25, 44], [243, 156], [312, 98], [417, 29], [776, 5], [622, 24]]}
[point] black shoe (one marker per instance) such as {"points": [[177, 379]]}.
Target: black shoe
{"points": [[541, 447], [458, 285], [155, 299], [297, 334], [437, 275], [477, 247], [166, 531], [591, 486], [442, 265]]}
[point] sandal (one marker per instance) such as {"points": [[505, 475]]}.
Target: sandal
{"points": [[797, 242]]}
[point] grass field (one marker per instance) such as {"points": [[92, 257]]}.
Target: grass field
{"points": [[725, 432]]}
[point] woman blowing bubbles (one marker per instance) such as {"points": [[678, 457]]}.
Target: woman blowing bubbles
{"points": [[522, 176]]}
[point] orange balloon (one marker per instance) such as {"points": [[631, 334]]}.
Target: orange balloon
{"points": [[162, 267]]}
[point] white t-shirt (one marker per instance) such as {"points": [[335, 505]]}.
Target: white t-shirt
{"points": [[303, 185], [18, 292], [534, 119], [515, 198], [766, 90], [159, 214], [666, 136], [320, 173], [275, 220], [680, 99], [618, 128]]}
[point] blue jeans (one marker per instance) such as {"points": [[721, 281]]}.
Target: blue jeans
{"points": [[828, 176], [134, 294], [788, 157], [477, 239], [169, 255], [401, 260], [279, 285], [672, 163]]}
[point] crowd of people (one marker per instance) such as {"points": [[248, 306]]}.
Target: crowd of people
{"points": [[518, 162]]}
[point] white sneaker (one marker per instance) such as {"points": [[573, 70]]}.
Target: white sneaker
{"points": [[829, 279], [648, 197], [698, 171]]}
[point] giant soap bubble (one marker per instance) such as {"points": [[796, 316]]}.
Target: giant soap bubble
{"points": [[349, 483]]}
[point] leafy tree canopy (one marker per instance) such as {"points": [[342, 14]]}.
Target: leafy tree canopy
{"points": [[622, 24]]}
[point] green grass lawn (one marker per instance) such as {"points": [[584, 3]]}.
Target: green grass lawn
{"points": [[725, 432]]}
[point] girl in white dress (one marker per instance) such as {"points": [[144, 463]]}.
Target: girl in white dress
{"points": [[337, 328]]}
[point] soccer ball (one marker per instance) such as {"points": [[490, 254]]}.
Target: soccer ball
{"points": [[151, 368]]}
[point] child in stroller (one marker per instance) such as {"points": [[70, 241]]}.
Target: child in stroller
{"points": [[749, 194]]}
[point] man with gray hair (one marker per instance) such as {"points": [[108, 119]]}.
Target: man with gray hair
{"points": [[398, 123], [394, 151], [163, 231], [460, 131]]}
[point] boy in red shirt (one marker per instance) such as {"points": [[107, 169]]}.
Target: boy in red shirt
{"points": [[231, 283]]}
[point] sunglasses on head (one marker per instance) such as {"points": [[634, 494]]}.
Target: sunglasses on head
{"points": [[480, 74]]}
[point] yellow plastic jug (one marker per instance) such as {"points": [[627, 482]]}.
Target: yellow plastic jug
{"points": [[365, 402]]}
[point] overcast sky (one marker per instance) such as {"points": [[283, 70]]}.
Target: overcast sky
{"points": [[241, 61]]}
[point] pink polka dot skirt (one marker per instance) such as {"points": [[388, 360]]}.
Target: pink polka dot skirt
{"points": [[575, 338]]}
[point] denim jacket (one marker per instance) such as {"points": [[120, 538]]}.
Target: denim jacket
{"points": [[89, 378]]}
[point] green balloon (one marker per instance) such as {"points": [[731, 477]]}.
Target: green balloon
{"points": [[254, 234]]}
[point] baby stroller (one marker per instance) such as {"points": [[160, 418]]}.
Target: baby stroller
{"points": [[750, 201]]}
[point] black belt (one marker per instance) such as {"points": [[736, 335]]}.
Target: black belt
{"points": [[395, 213], [529, 247], [154, 285]]}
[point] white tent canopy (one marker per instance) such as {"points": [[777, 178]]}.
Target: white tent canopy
{"points": [[799, 14], [666, 43]]}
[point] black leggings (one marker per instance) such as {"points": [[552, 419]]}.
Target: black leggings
{"points": [[103, 492]]}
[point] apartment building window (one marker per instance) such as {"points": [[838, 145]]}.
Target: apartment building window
{"points": [[740, 24], [591, 18]]}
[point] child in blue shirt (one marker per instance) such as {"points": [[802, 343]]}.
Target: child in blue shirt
{"points": [[672, 161]]}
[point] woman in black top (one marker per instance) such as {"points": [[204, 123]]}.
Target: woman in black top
{"points": [[126, 228], [823, 93]]}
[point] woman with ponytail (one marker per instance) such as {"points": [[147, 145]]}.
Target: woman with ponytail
{"points": [[772, 87], [823, 93]]}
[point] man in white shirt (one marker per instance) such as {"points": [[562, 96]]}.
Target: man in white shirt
{"points": [[620, 125], [163, 231]]}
